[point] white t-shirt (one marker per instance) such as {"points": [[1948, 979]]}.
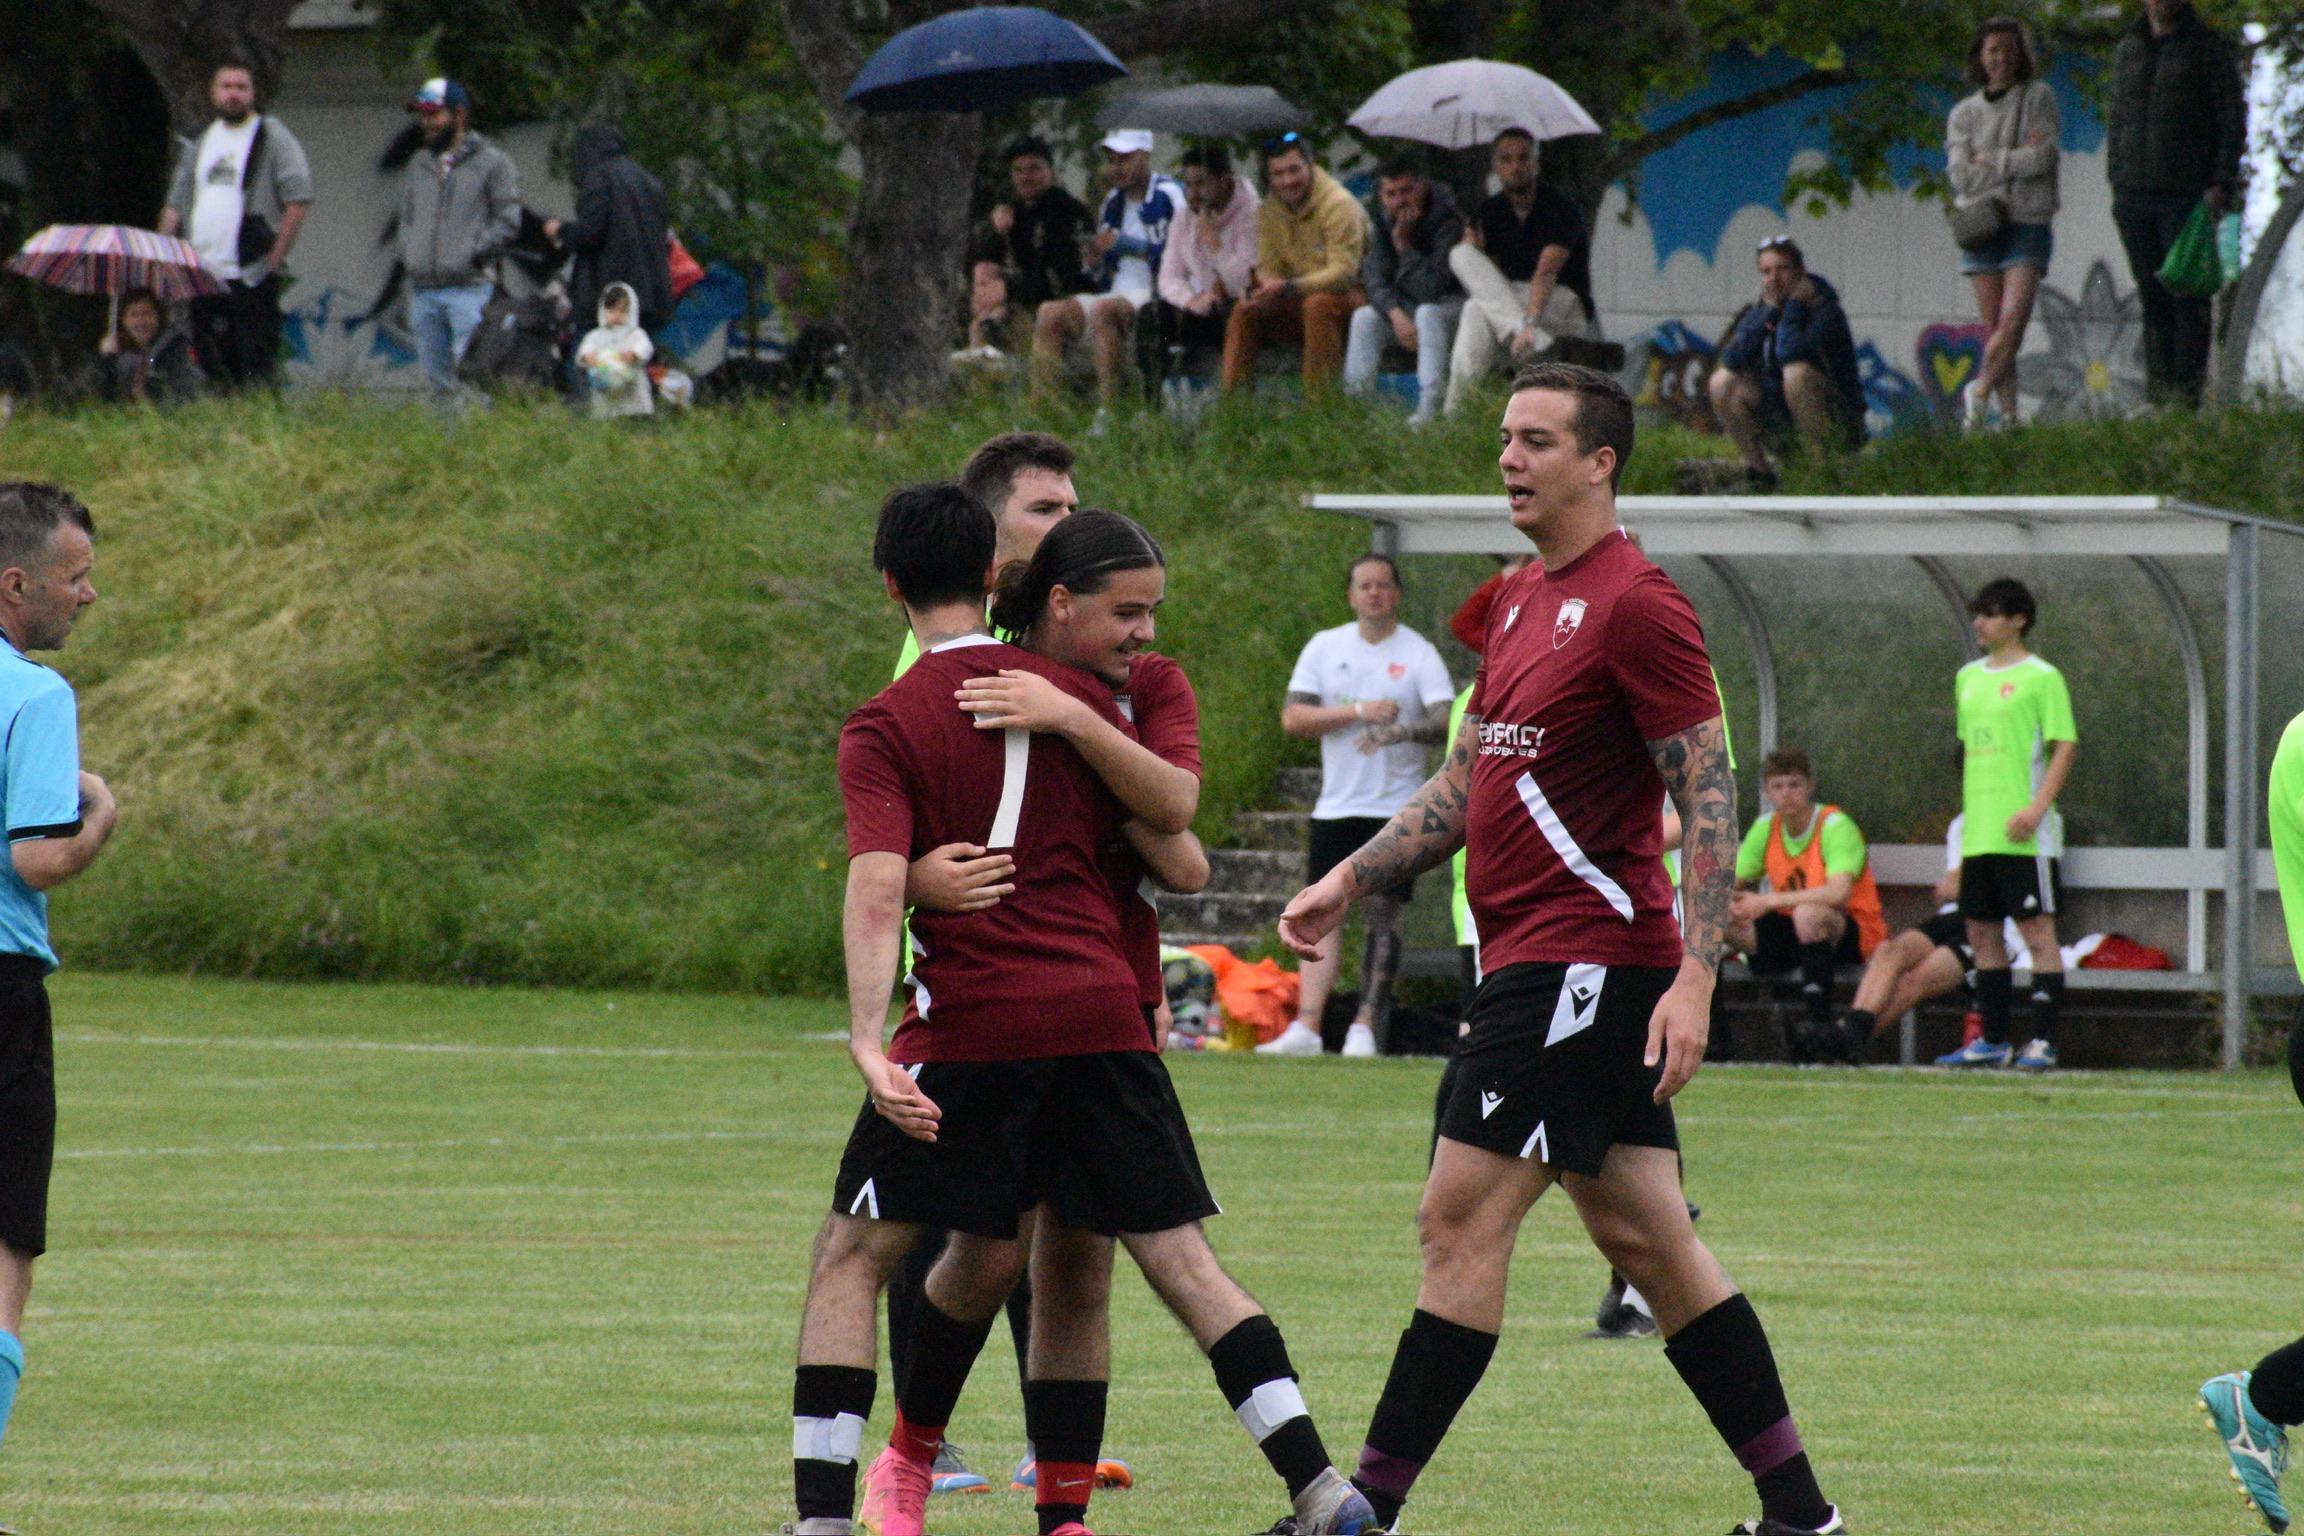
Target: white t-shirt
{"points": [[1341, 668], [218, 166], [1132, 276]]}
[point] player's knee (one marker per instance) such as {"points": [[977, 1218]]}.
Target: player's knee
{"points": [[1814, 924]]}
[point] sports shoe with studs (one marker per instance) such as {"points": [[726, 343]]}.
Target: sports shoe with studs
{"points": [[1835, 1526], [1330, 1506], [2256, 1447], [895, 1496]]}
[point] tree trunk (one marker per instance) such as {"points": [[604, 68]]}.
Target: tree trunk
{"points": [[905, 244], [181, 42], [2230, 379]]}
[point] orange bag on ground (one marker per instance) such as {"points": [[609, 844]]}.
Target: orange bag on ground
{"points": [[1262, 996]]}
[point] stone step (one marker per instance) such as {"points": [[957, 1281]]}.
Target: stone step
{"points": [[1219, 912], [1298, 787], [1238, 943], [1270, 829], [1256, 871]]}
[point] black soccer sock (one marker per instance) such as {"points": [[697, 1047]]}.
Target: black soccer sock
{"points": [[2047, 1000], [829, 1406], [1379, 962], [1993, 989], [1816, 964], [944, 1349], [1434, 1370], [907, 1293], [2276, 1386], [1253, 1373], [1724, 1357], [1863, 1023], [1064, 1420]]}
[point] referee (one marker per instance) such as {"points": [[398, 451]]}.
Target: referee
{"points": [[58, 820]]}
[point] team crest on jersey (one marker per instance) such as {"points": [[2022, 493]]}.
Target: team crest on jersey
{"points": [[2007, 690], [1571, 618], [1397, 670]]}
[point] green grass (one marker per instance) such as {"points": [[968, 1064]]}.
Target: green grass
{"points": [[392, 1259], [524, 699]]}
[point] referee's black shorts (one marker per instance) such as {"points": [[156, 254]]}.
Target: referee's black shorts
{"points": [[27, 1104]]}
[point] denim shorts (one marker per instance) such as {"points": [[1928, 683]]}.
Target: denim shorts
{"points": [[2019, 245]]}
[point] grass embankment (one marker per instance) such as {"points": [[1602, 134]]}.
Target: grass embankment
{"points": [[522, 699]]}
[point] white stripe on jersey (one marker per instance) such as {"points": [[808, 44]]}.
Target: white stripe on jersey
{"points": [[1019, 748], [1556, 833]]}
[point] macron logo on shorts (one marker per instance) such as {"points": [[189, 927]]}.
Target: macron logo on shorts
{"points": [[1488, 1103], [1579, 1002]]}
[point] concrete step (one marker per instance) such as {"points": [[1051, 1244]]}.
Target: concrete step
{"points": [[1238, 943], [1256, 871], [1271, 829], [1297, 787], [1218, 912]]}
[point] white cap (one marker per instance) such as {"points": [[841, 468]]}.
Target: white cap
{"points": [[1129, 141]]}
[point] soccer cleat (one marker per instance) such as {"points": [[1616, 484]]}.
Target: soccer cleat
{"points": [[895, 1496], [1978, 1053], [1359, 1040], [1298, 1039], [949, 1474], [817, 1527], [1834, 1526], [2257, 1447], [1111, 1472], [2037, 1056], [1330, 1506]]}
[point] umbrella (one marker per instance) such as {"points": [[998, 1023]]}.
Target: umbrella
{"points": [[965, 61], [1469, 102], [112, 258], [1207, 111]]}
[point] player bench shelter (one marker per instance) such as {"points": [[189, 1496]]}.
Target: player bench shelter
{"points": [[1726, 534]]}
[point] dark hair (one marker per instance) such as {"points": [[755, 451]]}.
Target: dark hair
{"points": [[1603, 410], [1029, 144], [1358, 561], [2006, 597], [2025, 67], [232, 61], [30, 513], [935, 541], [1514, 133], [135, 296], [1079, 554], [1406, 163], [1787, 245], [991, 470], [1787, 762], [1289, 143], [1215, 159]]}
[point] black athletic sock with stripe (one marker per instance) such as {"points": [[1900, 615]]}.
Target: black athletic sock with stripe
{"points": [[944, 1350], [2047, 1001], [1064, 1420], [2276, 1386], [829, 1406], [1253, 1373], [1434, 1371], [1993, 991], [1724, 1358], [1816, 966]]}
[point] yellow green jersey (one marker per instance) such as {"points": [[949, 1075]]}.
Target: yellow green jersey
{"points": [[2010, 719], [2284, 814]]}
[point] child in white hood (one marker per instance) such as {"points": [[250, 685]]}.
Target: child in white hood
{"points": [[614, 357]]}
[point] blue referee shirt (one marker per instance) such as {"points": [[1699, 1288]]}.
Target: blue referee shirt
{"points": [[39, 784]]}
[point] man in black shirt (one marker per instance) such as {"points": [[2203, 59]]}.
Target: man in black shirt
{"points": [[1526, 267], [1043, 228]]}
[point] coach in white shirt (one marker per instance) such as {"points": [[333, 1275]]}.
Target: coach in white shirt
{"points": [[1374, 693], [239, 194]]}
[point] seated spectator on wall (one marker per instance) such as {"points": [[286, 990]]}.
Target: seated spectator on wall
{"points": [[1805, 896], [994, 319], [1413, 297], [1211, 256], [1526, 268], [1788, 369], [1310, 239], [1041, 228], [1131, 237], [144, 358]]}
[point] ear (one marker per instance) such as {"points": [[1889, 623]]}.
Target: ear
{"points": [[887, 581], [1062, 605], [1605, 458]]}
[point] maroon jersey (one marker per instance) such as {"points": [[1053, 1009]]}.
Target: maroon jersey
{"points": [[1041, 973], [1584, 667], [1164, 716]]}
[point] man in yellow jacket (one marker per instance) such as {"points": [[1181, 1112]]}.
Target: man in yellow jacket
{"points": [[1310, 237]]}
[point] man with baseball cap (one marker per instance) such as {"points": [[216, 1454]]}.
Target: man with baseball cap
{"points": [[459, 207], [1131, 236]]}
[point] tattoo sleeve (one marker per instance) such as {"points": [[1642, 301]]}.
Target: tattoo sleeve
{"points": [[1695, 768], [1302, 698], [1429, 829]]}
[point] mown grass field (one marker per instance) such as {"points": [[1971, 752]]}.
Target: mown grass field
{"points": [[382, 1259]]}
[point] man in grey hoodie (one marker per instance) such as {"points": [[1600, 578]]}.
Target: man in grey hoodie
{"points": [[459, 208], [1413, 297]]}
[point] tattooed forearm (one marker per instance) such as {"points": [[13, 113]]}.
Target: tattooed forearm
{"points": [[1428, 830], [1429, 728], [1695, 769]]}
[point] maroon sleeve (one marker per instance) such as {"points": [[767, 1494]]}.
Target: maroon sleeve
{"points": [[1479, 686], [873, 785], [1167, 712], [1470, 623], [1657, 650]]}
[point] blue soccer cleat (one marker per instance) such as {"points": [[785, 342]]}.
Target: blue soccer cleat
{"points": [[2037, 1056], [2258, 1448], [1977, 1053], [949, 1474]]}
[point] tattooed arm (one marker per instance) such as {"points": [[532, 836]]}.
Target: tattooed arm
{"points": [[1694, 764], [1424, 834], [1430, 727]]}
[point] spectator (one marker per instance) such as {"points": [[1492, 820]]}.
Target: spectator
{"points": [[1040, 229], [1788, 367], [1211, 257], [995, 320], [143, 357], [459, 208], [1805, 896], [1128, 247], [1526, 267], [2000, 147], [1413, 297], [622, 232], [239, 195], [614, 357], [1374, 693], [1310, 238], [2173, 140]]}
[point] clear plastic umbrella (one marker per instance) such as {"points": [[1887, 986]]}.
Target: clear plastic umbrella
{"points": [[1469, 102]]}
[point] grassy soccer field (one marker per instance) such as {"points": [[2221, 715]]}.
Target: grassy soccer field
{"points": [[374, 1259]]}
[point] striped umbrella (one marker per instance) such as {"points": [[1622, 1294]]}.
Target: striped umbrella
{"points": [[112, 258]]}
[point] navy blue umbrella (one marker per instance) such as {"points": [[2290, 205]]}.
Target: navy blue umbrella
{"points": [[988, 56]]}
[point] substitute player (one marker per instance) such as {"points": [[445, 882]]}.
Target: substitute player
{"points": [[1594, 699], [58, 821], [2254, 1410], [2018, 742]]}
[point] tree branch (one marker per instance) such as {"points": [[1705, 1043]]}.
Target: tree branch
{"points": [[1189, 24], [822, 38], [1628, 156]]}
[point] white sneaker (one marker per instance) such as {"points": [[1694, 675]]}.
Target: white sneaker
{"points": [[1975, 407], [1359, 1040], [1298, 1039]]}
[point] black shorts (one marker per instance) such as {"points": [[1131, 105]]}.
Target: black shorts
{"points": [[1336, 839], [1101, 1138], [27, 1104], [2002, 885], [1949, 930], [1776, 945], [1552, 1070]]}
